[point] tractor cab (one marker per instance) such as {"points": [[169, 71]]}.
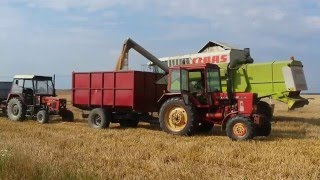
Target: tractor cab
{"points": [[32, 87], [198, 81]]}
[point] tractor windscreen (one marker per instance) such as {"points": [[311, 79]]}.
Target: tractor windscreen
{"points": [[44, 87], [213, 80]]}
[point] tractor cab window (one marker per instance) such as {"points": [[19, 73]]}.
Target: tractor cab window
{"points": [[43, 86], [195, 81], [213, 80], [28, 84], [175, 81], [17, 86]]}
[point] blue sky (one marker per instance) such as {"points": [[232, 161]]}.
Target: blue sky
{"points": [[61, 36]]}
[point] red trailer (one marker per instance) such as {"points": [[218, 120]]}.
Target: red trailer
{"points": [[120, 95]]}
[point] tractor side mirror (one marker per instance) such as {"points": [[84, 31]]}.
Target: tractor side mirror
{"points": [[17, 82]]}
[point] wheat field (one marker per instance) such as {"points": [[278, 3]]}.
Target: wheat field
{"points": [[72, 150]]}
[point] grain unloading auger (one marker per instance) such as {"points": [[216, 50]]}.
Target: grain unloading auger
{"points": [[123, 63]]}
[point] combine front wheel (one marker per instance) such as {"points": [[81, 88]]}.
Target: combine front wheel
{"points": [[177, 118]]}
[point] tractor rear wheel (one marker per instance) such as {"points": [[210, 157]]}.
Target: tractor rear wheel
{"points": [[16, 110], [43, 116], [265, 109], [67, 116], [99, 119], [240, 128], [177, 118]]}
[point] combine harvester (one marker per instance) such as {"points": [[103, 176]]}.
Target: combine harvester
{"points": [[277, 80]]}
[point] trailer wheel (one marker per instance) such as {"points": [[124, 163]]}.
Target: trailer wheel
{"points": [[16, 110], [99, 119], [240, 128], [265, 109], [67, 116], [43, 116], [177, 118], [264, 129]]}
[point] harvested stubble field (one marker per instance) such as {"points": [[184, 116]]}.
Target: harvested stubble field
{"points": [[72, 150]]}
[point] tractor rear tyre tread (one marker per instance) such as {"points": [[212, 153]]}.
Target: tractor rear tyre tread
{"points": [[240, 128], [16, 110], [99, 119], [191, 124], [43, 116]]}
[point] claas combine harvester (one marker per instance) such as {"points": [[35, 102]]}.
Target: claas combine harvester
{"points": [[277, 80], [187, 98]]}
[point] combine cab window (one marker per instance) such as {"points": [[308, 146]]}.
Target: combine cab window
{"points": [[213, 80]]}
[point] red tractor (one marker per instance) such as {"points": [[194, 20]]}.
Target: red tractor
{"points": [[35, 96], [192, 103]]}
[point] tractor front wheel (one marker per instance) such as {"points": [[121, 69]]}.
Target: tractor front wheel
{"points": [[67, 116], [43, 117], [16, 110], [240, 128], [177, 118], [99, 119]]}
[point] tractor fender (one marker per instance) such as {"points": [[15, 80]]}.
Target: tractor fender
{"points": [[165, 97], [226, 118], [10, 96]]}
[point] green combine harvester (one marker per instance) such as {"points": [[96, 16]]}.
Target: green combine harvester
{"points": [[277, 80]]}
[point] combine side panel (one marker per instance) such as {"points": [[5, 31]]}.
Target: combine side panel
{"points": [[280, 80]]}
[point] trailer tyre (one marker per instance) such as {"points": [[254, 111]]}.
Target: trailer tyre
{"points": [[240, 128], [265, 109], [99, 119], [43, 117], [177, 118], [16, 110], [67, 116]]}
